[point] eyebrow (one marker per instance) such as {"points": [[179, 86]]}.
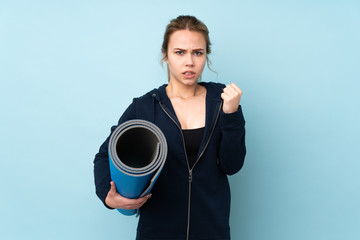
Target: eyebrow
{"points": [[198, 49]]}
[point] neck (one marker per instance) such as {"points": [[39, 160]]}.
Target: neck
{"points": [[182, 91]]}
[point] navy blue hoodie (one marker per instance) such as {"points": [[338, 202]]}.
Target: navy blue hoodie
{"points": [[185, 203]]}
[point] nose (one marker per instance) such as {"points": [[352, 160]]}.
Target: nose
{"points": [[189, 60]]}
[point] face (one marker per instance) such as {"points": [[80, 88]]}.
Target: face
{"points": [[186, 56]]}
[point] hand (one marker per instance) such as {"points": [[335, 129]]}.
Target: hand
{"points": [[115, 200], [231, 96]]}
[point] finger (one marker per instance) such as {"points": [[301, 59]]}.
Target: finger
{"points": [[236, 88], [143, 199], [233, 91], [137, 203], [225, 97], [230, 92]]}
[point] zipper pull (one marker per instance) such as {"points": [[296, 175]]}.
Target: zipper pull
{"points": [[190, 175]]}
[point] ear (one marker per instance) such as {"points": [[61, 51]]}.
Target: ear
{"points": [[165, 58]]}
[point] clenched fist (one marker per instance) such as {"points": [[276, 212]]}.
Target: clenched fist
{"points": [[231, 96]]}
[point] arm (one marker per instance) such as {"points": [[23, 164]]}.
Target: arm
{"points": [[105, 188], [232, 147]]}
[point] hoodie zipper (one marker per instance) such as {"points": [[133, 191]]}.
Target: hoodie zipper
{"points": [[187, 161], [197, 160], [190, 169], [208, 140]]}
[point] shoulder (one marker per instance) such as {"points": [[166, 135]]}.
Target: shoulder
{"points": [[213, 89], [145, 98], [214, 85], [149, 96]]}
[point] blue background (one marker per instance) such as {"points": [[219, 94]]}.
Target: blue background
{"points": [[68, 69]]}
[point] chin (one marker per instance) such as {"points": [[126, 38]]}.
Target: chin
{"points": [[187, 81], [190, 82]]}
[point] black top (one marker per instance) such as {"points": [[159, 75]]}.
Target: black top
{"points": [[192, 138]]}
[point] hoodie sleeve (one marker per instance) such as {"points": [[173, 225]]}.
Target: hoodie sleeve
{"points": [[101, 161], [232, 146]]}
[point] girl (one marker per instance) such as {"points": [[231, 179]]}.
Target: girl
{"points": [[204, 128]]}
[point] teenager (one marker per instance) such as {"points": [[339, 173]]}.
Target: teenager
{"points": [[204, 129]]}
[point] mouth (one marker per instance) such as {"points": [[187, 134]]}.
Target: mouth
{"points": [[189, 74]]}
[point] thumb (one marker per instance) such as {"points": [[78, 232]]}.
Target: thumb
{"points": [[112, 187], [222, 95]]}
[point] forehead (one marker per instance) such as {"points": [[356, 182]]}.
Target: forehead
{"points": [[187, 39]]}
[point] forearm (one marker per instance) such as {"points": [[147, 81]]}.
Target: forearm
{"points": [[102, 172], [232, 148]]}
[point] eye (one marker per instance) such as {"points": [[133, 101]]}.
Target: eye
{"points": [[179, 52], [198, 53]]}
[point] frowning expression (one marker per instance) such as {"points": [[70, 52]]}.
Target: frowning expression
{"points": [[186, 56]]}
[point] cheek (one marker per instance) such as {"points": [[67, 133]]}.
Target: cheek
{"points": [[174, 63], [202, 63], [172, 66]]}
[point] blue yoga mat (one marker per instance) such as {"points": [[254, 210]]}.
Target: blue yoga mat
{"points": [[137, 152]]}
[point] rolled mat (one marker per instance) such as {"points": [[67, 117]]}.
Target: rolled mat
{"points": [[137, 154]]}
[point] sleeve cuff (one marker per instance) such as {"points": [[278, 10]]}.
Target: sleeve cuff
{"points": [[232, 120]]}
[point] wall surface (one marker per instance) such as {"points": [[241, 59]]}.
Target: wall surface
{"points": [[68, 69]]}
